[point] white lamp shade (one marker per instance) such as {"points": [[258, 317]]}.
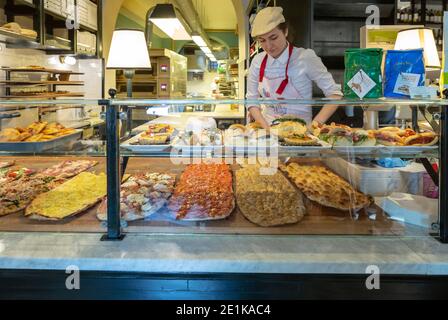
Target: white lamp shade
{"points": [[128, 50], [419, 38]]}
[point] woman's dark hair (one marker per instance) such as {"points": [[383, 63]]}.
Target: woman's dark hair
{"points": [[285, 26]]}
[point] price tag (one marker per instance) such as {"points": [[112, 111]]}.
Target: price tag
{"points": [[423, 92]]}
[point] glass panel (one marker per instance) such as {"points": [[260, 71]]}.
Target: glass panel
{"points": [[52, 165], [293, 179], [364, 174]]}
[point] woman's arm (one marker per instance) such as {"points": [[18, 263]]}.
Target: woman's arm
{"points": [[255, 113], [252, 90], [327, 110], [318, 73]]}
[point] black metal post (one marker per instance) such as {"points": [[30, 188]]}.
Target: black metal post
{"points": [[113, 174], [443, 190], [430, 170], [415, 119]]}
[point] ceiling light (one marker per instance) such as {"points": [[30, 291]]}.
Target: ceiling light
{"points": [[199, 41], [173, 25], [206, 50]]}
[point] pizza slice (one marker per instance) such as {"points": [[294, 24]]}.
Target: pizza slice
{"points": [[69, 168], [422, 139], [141, 196], [16, 195], [5, 164]]}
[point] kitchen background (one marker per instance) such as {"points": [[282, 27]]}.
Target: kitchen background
{"points": [[328, 27]]}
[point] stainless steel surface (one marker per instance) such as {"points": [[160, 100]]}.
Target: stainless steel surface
{"points": [[371, 120], [39, 146]]}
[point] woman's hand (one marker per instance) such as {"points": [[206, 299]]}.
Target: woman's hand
{"points": [[256, 115]]}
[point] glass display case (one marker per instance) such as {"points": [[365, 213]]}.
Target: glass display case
{"points": [[45, 145], [183, 174]]}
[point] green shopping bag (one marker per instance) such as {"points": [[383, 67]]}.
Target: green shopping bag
{"points": [[362, 76]]}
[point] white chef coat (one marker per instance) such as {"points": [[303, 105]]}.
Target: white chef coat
{"points": [[304, 68]]}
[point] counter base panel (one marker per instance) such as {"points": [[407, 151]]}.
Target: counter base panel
{"points": [[48, 284]]}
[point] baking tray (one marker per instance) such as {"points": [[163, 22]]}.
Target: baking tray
{"points": [[40, 146], [132, 145]]}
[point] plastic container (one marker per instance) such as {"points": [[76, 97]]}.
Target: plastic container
{"points": [[430, 190]]}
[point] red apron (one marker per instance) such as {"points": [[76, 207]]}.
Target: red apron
{"points": [[280, 88]]}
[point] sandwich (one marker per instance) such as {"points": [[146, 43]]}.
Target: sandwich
{"points": [[404, 133], [422, 139], [363, 138], [322, 131], [289, 127], [340, 137], [237, 126], [388, 138]]}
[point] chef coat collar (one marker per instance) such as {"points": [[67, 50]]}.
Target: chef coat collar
{"points": [[282, 59]]}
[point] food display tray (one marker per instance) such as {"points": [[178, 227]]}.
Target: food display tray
{"points": [[40, 146], [132, 145]]}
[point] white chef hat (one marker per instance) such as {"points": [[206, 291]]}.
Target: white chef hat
{"points": [[267, 20]]}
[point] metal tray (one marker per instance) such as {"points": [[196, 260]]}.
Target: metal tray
{"points": [[132, 145], [385, 150], [40, 146]]}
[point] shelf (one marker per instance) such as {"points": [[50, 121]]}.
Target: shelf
{"points": [[87, 28], [25, 3], [47, 95], [12, 38], [285, 152], [55, 15], [54, 71], [11, 83]]}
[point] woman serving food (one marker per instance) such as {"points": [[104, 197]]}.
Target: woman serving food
{"points": [[283, 71]]}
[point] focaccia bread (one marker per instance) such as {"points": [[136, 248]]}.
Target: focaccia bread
{"points": [[70, 198], [267, 200], [326, 188]]}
